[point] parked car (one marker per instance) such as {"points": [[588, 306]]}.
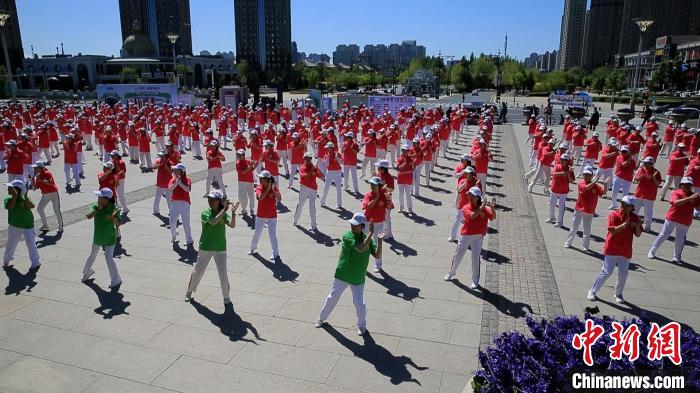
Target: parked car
{"points": [[686, 94], [475, 92], [692, 111]]}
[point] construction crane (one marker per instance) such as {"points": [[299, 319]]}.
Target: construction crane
{"points": [[445, 58]]}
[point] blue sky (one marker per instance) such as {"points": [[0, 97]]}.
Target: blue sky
{"points": [[454, 27]]}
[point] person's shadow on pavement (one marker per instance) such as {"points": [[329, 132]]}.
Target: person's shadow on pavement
{"points": [[395, 287], [111, 302], [187, 255], [18, 282], [503, 304], [230, 324], [280, 270], [386, 363]]}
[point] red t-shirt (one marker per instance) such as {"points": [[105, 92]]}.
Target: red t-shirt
{"points": [[694, 171], [607, 162], [682, 214], [647, 188], [267, 207], [109, 181], [560, 184], [46, 188], [70, 149], [477, 225], [462, 197], [404, 165], [333, 161], [376, 213], [349, 150], [178, 193], [164, 173], [308, 175], [676, 167], [214, 159], [242, 165], [621, 243], [624, 168], [271, 162], [588, 199], [593, 148]]}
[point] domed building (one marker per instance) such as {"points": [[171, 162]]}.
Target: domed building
{"points": [[138, 44]]}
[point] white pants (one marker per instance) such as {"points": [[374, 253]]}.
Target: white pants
{"points": [[160, 143], [533, 171], [55, 204], [306, 194], [197, 148], [87, 139], [2, 160], [405, 190], [75, 168], [587, 219], [675, 180], [134, 153], [576, 153], [293, 169], [203, 258], [387, 223], [475, 241], [427, 168], [372, 161], [557, 200], [124, 148], [337, 289], [246, 194], [121, 197], [14, 235], [666, 149], [145, 160], [391, 149], [609, 263], [458, 221], [271, 231], [114, 277], [11, 177], [381, 154], [333, 177], [156, 201], [666, 230], [283, 159], [180, 209], [606, 175], [215, 174], [378, 227], [482, 178], [619, 185], [416, 179], [350, 172], [46, 152], [648, 207], [533, 155]]}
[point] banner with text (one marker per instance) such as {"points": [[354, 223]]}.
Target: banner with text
{"points": [[158, 93], [391, 103]]}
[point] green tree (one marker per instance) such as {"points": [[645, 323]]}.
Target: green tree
{"points": [[128, 74], [249, 76], [483, 71]]}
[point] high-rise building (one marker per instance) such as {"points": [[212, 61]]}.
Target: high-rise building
{"points": [[157, 19], [385, 57], [571, 37], [346, 54], [264, 33], [603, 25], [13, 38]]}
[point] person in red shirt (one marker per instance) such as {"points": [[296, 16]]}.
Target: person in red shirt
{"points": [[349, 150], [679, 218], [120, 171], [476, 215], [648, 179], [255, 144], [108, 178], [592, 148], [578, 138], [333, 175], [70, 159], [308, 173], [44, 143], [374, 205], [179, 187], [145, 150], [164, 173], [562, 176], [623, 226], [388, 189], [214, 172], [271, 160], [584, 211], [44, 181], [296, 149], [246, 184], [543, 169], [405, 169], [281, 148], [15, 158], [676, 168], [624, 172], [268, 196], [652, 147], [669, 136], [464, 184], [693, 172], [370, 158]]}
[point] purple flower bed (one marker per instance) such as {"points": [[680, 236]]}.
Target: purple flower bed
{"points": [[542, 363]]}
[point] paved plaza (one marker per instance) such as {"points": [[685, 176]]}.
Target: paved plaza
{"points": [[60, 335]]}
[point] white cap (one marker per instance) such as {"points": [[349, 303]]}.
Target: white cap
{"points": [[628, 200], [108, 164], [405, 146], [588, 170], [476, 191], [180, 167], [416, 140], [377, 181], [468, 170], [624, 148], [215, 194], [687, 180], [39, 164], [104, 193], [11, 142], [565, 157], [612, 141], [358, 219], [595, 134], [268, 142], [466, 157], [240, 151], [648, 159], [17, 184], [308, 155], [329, 145], [383, 163], [482, 140], [295, 135], [680, 144], [265, 174], [115, 153], [564, 145], [349, 134]]}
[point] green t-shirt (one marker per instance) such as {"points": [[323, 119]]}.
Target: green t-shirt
{"points": [[213, 236], [352, 264], [105, 233], [19, 216]]}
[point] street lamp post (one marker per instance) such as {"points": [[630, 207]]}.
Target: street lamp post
{"points": [[4, 16], [173, 38], [643, 25]]}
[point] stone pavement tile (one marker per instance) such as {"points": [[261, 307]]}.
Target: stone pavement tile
{"points": [[278, 330], [10, 326], [295, 290], [195, 375], [126, 328], [436, 290], [454, 383], [202, 344], [110, 384], [323, 340], [56, 314], [442, 357], [466, 334], [12, 303], [691, 318], [386, 373], [290, 361], [381, 302], [7, 357], [144, 306], [307, 311], [448, 310], [256, 303], [62, 291], [400, 270], [427, 260], [172, 289], [31, 374], [410, 326]]}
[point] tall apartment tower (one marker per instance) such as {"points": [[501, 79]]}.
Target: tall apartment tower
{"points": [[571, 38], [13, 38], [157, 19], [264, 33]]}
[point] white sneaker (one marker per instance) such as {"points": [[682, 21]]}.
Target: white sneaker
{"points": [[227, 300], [448, 277], [591, 296], [44, 228], [650, 255], [188, 297], [549, 220], [473, 285], [86, 276], [361, 331], [567, 245], [377, 268], [451, 240], [619, 299], [251, 252], [319, 323], [676, 260]]}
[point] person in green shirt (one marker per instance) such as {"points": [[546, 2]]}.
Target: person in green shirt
{"points": [[106, 218], [352, 265], [21, 224], [212, 243]]}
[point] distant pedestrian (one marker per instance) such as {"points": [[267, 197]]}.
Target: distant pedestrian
{"points": [[44, 181], [679, 218], [179, 188], [268, 196], [588, 193], [106, 217]]}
